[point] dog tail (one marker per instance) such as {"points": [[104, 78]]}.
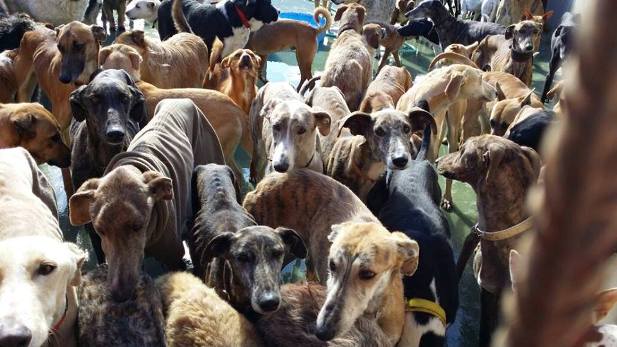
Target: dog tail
{"points": [[325, 14], [177, 13], [426, 143], [309, 85], [454, 57]]}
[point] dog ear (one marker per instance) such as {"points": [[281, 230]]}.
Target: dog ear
{"points": [[500, 94], [358, 123], [547, 15], [420, 119], [77, 108], [515, 268], [509, 32], [371, 35], [293, 242], [217, 247], [526, 15], [472, 47], [159, 186], [492, 159], [267, 108], [79, 203], [99, 33], [409, 253], [135, 60], [527, 99], [80, 258], [226, 62], [138, 108], [138, 38], [24, 125], [258, 61], [339, 12], [361, 14], [323, 121], [605, 300], [532, 163], [336, 229], [454, 86], [58, 29], [104, 54]]}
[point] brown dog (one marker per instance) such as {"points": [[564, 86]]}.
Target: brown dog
{"points": [[8, 80], [323, 203], [287, 33], [61, 61], [387, 88], [391, 40], [178, 62], [501, 173], [227, 119], [33, 127], [238, 77], [349, 63], [512, 52], [402, 7]]}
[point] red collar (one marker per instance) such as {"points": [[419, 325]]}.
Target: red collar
{"points": [[242, 16], [56, 326]]}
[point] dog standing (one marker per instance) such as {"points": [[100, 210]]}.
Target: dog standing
{"points": [[38, 304], [108, 14], [562, 43], [285, 132], [237, 76], [147, 190], [386, 89], [377, 11]]}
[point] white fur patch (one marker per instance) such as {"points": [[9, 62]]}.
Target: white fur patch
{"points": [[236, 41]]}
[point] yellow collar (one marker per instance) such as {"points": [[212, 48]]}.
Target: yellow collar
{"points": [[512, 231], [426, 306]]}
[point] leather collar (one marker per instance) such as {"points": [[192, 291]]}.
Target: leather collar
{"points": [[504, 234], [242, 16]]}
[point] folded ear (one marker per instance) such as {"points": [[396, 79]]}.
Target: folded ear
{"points": [[454, 86], [293, 242], [24, 124], [217, 247], [408, 251], [420, 119], [339, 12], [80, 258], [605, 301], [226, 62], [527, 99], [98, 32], [500, 94], [104, 54], [492, 159], [77, 107], [80, 202], [159, 186], [359, 123], [138, 38], [509, 32], [323, 122]]}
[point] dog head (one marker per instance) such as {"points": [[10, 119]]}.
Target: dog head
{"points": [[38, 131], [563, 41], [258, 12], [134, 38], [119, 205], [143, 9], [122, 57], [540, 19], [79, 46], [365, 262], [255, 255], [491, 160], [294, 126], [36, 274], [111, 105], [432, 9], [243, 62], [462, 49], [387, 133], [505, 110], [373, 34], [525, 36], [350, 16]]}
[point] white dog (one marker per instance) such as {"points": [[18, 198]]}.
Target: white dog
{"points": [[143, 9], [39, 272]]}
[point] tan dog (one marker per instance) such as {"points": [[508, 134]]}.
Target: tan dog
{"points": [[39, 271], [402, 7], [391, 40], [276, 202], [455, 53], [8, 80], [61, 61], [285, 132], [33, 127], [228, 120], [284, 34], [348, 66], [366, 265], [381, 140], [540, 19], [512, 52], [179, 62], [387, 88], [239, 80]]}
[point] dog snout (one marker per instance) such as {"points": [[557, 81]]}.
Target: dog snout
{"points": [[269, 302], [281, 166], [114, 134], [324, 332], [401, 161], [15, 335], [245, 61], [65, 77]]}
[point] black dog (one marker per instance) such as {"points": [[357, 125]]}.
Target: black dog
{"points": [[408, 201], [13, 28], [421, 27], [562, 43], [230, 20], [164, 21], [530, 131], [453, 30], [108, 112]]}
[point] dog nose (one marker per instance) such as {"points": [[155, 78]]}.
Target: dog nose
{"points": [[400, 162], [324, 333], [65, 78], [281, 166], [529, 48], [269, 302], [15, 336], [115, 134]]}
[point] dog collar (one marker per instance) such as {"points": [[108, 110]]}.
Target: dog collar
{"points": [[344, 28], [56, 327], [242, 16], [510, 232], [426, 306], [520, 57], [310, 160]]}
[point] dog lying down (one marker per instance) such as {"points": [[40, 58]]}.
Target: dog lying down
{"points": [[104, 322]]}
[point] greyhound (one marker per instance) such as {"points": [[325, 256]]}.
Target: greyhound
{"points": [[562, 43]]}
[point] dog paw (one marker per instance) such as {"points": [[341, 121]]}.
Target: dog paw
{"points": [[446, 205], [121, 29]]}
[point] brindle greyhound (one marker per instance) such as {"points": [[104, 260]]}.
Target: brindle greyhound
{"points": [[500, 172]]}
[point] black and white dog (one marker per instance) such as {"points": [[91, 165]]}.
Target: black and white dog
{"points": [[230, 20]]}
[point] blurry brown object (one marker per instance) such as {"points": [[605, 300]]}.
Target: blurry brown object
{"points": [[577, 216]]}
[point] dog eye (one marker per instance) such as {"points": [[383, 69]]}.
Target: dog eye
{"points": [[406, 129], [366, 274], [380, 132], [301, 131], [45, 269], [332, 266], [77, 45]]}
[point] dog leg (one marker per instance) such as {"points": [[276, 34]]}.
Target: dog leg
{"points": [[553, 66], [384, 60], [453, 123], [121, 16], [488, 317], [397, 58]]}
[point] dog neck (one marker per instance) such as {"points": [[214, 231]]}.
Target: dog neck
{"points": [[389, 309], [101, 152], [520, 57], [62, 333], [498, 211]]}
